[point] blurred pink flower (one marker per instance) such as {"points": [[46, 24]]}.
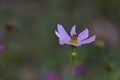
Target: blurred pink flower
{"points": [[105, 31], [1, 78], [51, 76], [80, 69], [1, 47]]}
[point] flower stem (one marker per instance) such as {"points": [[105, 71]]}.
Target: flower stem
{"points": [[108, 75], [70, 63]]}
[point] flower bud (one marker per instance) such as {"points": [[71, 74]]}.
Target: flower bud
{"points": [[100, 43], [74, 54]]}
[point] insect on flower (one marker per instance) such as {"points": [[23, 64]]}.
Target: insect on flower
{"points": [[74, 38]]}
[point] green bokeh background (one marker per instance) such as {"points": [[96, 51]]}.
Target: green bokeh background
{"points": [[32, 48]]}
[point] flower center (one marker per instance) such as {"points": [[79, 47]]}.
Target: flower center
{"points": [[74, 39]]}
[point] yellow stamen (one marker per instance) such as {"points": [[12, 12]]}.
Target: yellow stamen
{"points": [[74, 40]]}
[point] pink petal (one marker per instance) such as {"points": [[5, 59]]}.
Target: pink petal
{"points": [[62, 32], [76, 45], [89, 40], [73, 30], [83, 35], [58, 35], [62, 40]]}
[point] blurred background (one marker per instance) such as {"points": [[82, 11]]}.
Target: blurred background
{"points": [[32, 50]]}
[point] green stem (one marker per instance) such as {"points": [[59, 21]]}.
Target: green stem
{"points": [[108, 76], [70, 63]]}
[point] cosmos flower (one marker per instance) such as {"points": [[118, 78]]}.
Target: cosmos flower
{"points": [[74, 38]]}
